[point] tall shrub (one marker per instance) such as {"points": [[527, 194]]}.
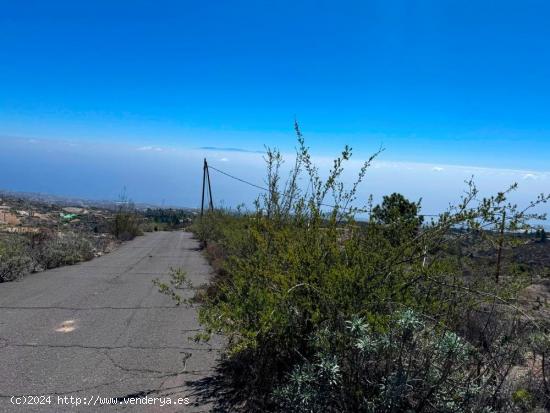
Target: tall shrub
{"points": [[301, 264]]}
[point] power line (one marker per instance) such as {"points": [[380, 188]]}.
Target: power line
{"points": [[267, 190], [257, 186], [238, 179]]}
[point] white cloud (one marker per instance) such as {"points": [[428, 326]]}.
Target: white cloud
{"points": [[224, 160], [529, 176], [150, 148], [437, 169]]}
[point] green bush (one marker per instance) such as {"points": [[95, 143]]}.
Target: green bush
{"points": [[411, 366], [168, 218], [126, 224], [14, 258], [21, 254], [150, 226], [63, 249], [296, 267]]}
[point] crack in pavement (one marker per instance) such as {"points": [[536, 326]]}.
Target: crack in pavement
{"points": [[83, 389], [4, 344], [186, 357]]}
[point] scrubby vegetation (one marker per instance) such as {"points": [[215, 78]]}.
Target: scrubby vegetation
{"points": [[327, 314], [14, 260], [41, 236], [52, 251], [162, 219], [36, 235], [127, 222], [21, 254]]}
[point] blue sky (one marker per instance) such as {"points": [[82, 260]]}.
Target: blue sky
{"points": [[435, 82]]}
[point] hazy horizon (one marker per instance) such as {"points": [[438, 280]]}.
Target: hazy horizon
{"points": [[167, 175]]}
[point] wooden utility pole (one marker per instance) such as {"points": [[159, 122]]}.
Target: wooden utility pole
{"points": [[206, 177], [500, 242]]}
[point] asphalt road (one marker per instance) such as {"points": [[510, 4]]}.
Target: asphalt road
{"points": [[101, 329]]}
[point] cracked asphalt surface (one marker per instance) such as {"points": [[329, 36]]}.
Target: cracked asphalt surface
{"points": [[101, 328]]}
